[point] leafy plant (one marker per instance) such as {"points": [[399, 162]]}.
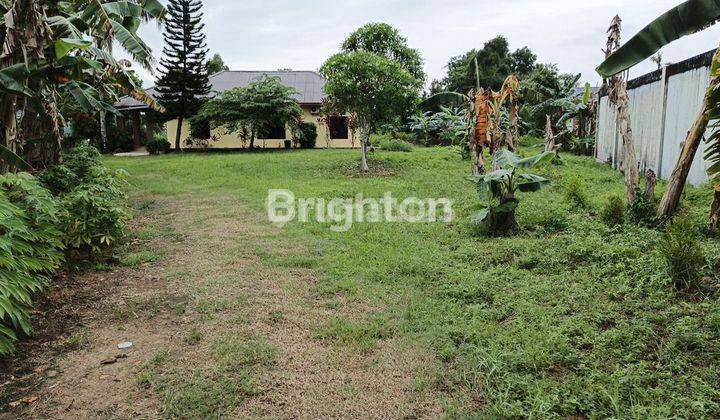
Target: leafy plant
{"points": [[682, 252], [30, 249], [94, 197], [499, 188], [158, 145], [613, 213], [395, 145], [306, 135], [576, 192]]}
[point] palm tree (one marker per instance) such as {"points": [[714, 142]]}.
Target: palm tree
{"points": [[66, 49], [687, 18]]}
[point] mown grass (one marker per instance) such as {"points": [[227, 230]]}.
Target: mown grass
{"points": [[569, 318]]}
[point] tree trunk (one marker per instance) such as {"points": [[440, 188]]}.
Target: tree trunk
{"points": [[103, 130], [632, 173], [651, 179], [671, 199], [149, 127], [178, 132], [364, 141], [715, 213], [549, 135], [509, 140], [504, 223]]}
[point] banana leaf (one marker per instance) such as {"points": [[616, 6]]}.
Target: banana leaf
{"points": [[11, 158], [447, 99], [689, 17]]}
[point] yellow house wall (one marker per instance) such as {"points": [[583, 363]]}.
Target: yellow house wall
{"points": [[223, 140]]}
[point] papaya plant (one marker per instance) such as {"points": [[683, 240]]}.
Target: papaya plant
{"points": [[499, 189]]}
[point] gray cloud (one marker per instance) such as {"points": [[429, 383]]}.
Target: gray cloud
{"points": [[272, 34]]}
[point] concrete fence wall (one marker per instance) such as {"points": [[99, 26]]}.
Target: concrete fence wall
{"points": [[663, 107]]}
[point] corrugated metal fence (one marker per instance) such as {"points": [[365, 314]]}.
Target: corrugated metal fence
{"points": [[663, 107]]}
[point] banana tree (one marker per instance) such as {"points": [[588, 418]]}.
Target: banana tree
{"points": [[65, 48], [685, 19], [499, 189]]}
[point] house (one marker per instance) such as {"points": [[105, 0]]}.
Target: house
{"points": [[335, 133]]}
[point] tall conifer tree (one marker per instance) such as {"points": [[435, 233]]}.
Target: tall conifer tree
{"points": [[183, 86]]}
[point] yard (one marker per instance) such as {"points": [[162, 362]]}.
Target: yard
{"points": [[230, 315]]}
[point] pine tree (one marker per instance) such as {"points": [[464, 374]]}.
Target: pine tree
{"points": [[183, 86]]}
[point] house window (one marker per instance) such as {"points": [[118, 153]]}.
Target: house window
{"points": [[338, 127], [272, 130]]}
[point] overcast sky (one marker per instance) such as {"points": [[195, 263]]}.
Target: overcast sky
{"points": [[273, 34]]}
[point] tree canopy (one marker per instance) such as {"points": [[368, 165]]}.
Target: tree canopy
{"points": [[495, 62], [247, 111], [384, 40], [183, 86], [216, 65], [372, 87]]}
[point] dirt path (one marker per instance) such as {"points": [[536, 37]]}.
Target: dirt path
{"points": [[218, 330]]}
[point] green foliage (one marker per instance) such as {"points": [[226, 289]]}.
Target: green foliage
{"points": [[30, 250], [373, 87], [248, 110], [385, 41], [613, 212], [681, 249], [306, 135], [158, 145], [183, 84], [494, 63], [499, 187], [582, 146], [685, 19], [642, 211], [216, 65], [576, 192], [392, 144], [93, 196]]}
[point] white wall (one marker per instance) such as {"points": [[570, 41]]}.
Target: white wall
{"points": [[658, 135]]}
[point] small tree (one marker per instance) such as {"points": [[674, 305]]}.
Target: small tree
{"points": [[386, 41], [500, 187], [248, 110], [373, 88], [183, 86], [216, 65]]}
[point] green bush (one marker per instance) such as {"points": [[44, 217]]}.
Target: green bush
{"points": [[642, 211], [391, 143], [158, 145], [681, 249], [306, 135], [93, 195], [613, 213], [30, 250], [576, 193]]}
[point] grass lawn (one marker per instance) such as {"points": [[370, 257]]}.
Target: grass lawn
{"points": [[569, 318]]}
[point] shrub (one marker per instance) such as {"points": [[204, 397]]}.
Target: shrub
{"points": [[31, 249], [306, 135], [94, 197], [613, 213], [118, 140], [391, 143], [682, 253], [576, 193], [158, 145], [642, 211]]}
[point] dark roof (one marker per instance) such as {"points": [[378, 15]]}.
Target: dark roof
{"points": [[308, 84]]}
